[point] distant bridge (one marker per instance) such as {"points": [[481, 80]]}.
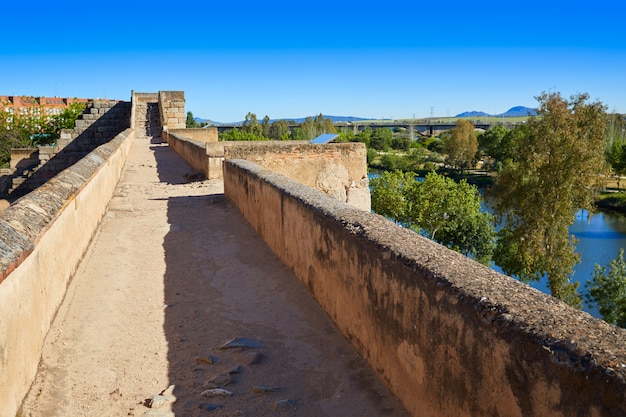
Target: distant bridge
{"points": [[415, 129]]}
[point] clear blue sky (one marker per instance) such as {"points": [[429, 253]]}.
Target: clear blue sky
{"points": [[391, 59]]}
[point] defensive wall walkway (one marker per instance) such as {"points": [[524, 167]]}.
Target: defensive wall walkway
{"points": [[445, 335]]}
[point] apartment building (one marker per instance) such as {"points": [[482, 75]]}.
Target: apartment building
{"points": [[37, 106]]}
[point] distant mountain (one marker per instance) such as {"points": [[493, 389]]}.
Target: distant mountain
{"points": [[473, 114], [201, 120], [340, 119], [517, 111]]}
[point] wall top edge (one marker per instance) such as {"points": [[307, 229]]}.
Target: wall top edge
{"points": [[24, 221], [506, 305]]}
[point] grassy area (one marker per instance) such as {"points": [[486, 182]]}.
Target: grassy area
{"points": [[612, 201]]}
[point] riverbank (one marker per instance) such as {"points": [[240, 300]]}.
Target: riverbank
{"points": [[613, 201]]}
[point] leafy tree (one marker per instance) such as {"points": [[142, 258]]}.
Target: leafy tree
{"points": [[365, 136], [65, 120], [489, 142], [35, 128], [608, 291], [555, 172], [413, 160], [371, 155], [313, 127], [381, 138], [279, 130], [616, 127], [616, 157], [390, 162], [616, 145], [190, 122], [436, 145], [439, 208], [462, 145], [251, 125], [239, 135], [388, 195], [401, 143], [450, 213], [265, 126]]}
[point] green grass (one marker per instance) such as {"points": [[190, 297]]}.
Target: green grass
{"points": [[612, 201]]}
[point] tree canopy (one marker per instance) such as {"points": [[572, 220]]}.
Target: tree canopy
{"points": [[607, 290], [190, 122], [461, 145], [439, 208], [557, 168]]}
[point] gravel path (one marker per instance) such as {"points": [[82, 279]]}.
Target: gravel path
{"points": [[174, 273]]}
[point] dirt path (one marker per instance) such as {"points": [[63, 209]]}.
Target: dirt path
{"points": [[173, 273]]}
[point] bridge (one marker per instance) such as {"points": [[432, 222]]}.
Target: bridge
{"points": [[427, 129], [167, 274]]}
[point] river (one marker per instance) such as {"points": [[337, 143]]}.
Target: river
{"points": [[600, 237]]}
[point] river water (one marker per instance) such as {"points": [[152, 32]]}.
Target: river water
{"points": [[600, 237]]}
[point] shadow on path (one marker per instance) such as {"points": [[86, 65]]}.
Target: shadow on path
{"points": [[222, 282]]}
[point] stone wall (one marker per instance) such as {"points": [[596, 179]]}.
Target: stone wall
{"points": [[137, 98], [101, 121], [205, 134], [449, 336], [338, 169], [172, 109], [192, 151], [43, 237]]}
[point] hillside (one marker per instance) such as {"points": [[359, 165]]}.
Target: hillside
{"points": [[517, 111]]}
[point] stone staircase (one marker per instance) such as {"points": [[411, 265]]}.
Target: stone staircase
{"points": [[147, 121], [100, 122]]}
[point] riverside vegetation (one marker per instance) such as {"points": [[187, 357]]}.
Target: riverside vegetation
{"points": [[541, 173], [537, 176]]}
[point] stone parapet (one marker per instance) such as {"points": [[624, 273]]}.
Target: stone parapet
{"points": [[449, 336], [206, 134], [172, 109], [337, 169], [43, 237]]}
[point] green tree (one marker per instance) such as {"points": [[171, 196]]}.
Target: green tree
{"points": [[279, 130], [462, 145], [608, 291], [447, 212], [251, 125], [390, 162], [235, 135], [401, 143], [450, 213], [313, 127], [371, 155], [616, 157], [265, 126], [489, 142], [64, 120], [616, 145], [365, 136], [557, 168], [190, 122], [388, 195], [381, 138]]}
